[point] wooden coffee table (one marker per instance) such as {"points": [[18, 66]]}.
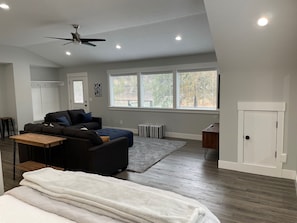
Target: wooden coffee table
{"points": [[38, 140]]}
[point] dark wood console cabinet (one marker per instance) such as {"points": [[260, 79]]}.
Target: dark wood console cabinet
{"points": [[210, 137]]}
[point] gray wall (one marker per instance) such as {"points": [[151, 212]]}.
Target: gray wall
{"points": [[181, 123], [257, 64]]}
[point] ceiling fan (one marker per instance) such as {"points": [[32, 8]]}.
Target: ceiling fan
{"points": [[76, 38]]}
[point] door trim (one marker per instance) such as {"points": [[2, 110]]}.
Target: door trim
{"points": [[82, 74], [278, 107]]}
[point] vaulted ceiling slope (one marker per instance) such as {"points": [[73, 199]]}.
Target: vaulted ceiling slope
{"points": [[240, 43], [144, 29]]}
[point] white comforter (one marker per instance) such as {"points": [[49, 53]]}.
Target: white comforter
{"points": [[13, 210], [118, 199]]}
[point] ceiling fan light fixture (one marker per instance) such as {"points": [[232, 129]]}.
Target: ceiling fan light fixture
{"points": [[4, 6], [68, 53]]}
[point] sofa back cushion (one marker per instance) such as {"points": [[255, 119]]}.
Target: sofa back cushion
{"points": [[56, 130], [52, 117], [85, 134], [35, 128], [76, 115]]}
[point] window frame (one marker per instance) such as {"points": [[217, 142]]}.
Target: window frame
{"points": [[142, 96], [111, 94], [174, 69], [197, 70]]}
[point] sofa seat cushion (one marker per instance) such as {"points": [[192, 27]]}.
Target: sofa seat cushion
{"points": [[116, 133]]}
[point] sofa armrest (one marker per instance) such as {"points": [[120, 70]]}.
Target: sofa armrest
{"points": [[108, 158], [98, 120]]}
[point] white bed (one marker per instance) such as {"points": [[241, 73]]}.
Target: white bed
{"points": [[49, 195]]}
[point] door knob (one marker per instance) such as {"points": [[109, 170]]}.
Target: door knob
{"points": [[247, 137]]}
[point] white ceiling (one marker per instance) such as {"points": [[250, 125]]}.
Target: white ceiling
{"points": [[144, 28]]}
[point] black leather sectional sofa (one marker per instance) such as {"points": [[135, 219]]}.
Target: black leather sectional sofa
{"points": [[82, 151]]}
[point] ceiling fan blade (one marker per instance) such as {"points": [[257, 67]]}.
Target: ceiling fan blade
{"points": [[90, 40], [87, 43], [76, 38], [59, 38], [68, 43]]}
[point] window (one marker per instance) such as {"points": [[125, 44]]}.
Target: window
{"points": [[157, 90], [123, 90], [78, 92], [189, 87], [197, 89]]}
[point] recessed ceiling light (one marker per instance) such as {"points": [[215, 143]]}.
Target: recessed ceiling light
{"points": [[118, 46], [68, 53], [262, 21], [4, 6], [178, 38]]}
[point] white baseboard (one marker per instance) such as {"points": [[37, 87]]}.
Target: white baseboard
{"points": [[266, 171], [183, 135], [167, 134]]}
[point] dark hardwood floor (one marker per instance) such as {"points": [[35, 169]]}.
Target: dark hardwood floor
{"points": [[231, 196]]}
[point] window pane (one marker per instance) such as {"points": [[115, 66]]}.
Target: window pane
{"points": [[157, 90], [78, 92], [197, 89], [124, 91]]}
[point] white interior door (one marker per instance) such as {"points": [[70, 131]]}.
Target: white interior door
{"points": [[260, 138], [78, 91]]}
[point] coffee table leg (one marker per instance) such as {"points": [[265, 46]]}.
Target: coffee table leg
{"points": [[14, 151]]}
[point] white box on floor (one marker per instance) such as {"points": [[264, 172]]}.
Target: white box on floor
{"points": [[157, 131], [144, 130]]}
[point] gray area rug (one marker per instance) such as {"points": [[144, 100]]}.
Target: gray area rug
{"points": [[146, 152]]}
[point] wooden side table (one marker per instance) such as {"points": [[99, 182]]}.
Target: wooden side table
{"points": [[38, 140], [210, 137]]}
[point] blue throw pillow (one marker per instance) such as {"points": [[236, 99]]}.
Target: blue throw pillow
{"points": [[87, 117], [63, 120]]}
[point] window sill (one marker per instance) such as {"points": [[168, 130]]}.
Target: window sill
{"points": [[166, 110]]}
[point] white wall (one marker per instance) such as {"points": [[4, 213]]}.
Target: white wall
{"points": [[18, 78], [182, 123], [9, 110], [1, 177], [2, 86], [257, 64]]}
